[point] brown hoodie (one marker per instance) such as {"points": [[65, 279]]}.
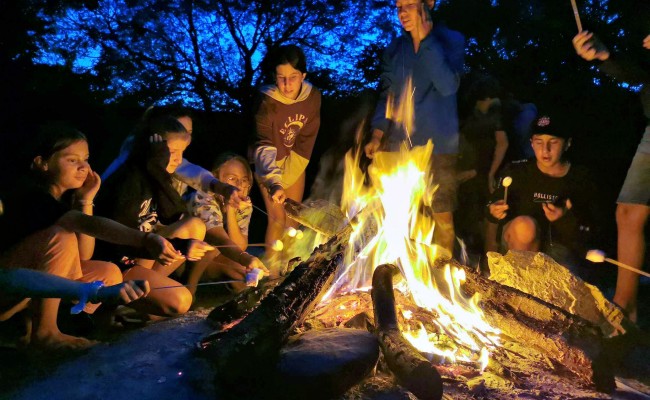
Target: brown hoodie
{"points": [[286, 130]]}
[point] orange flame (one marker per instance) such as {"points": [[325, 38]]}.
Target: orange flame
{"points": [[394, 206]]}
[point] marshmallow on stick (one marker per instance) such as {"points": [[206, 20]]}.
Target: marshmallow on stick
{"points": [[253, 277], [507, 181], [598, 256], [277, 245]]}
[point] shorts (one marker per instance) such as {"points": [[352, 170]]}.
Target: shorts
{"points": [[444, 175], [636, 188]]}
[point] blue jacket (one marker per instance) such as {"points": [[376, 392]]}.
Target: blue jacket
{"points": [[435, 70]]}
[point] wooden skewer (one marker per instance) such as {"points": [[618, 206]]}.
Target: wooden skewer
{"points": [[576, 15], [627, 267], [598, 256]]}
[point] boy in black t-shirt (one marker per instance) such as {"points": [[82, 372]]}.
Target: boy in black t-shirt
{"points": [[550, 203]]}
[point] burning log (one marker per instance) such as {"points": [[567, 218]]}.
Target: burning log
{"points": [[258, 337], [570, 341], [240, 305], [412, 370]]}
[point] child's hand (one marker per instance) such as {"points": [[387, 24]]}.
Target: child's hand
{"points": [[589, 47], [374, 144], [554, 212], [256, 263], [159, 151], [196, 249], [498, 209], [122, 293], [233, 197], [277, 194], [90, 187], [161, 249]]}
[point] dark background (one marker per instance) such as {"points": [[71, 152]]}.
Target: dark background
{"points": [[525, 44]]}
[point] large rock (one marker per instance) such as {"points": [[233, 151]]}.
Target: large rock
{"points": [[539, 275], [326, 363]]}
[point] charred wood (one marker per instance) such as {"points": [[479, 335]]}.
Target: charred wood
{"points": [[258, 338], [239, 306], [412, 370]]}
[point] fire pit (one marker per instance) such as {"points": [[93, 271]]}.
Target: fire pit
{"points": [[445, 328]]}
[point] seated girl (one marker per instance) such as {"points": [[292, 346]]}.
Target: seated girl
{"points": [[227, 226], [140, 195], [47, 225], [186, 174]]}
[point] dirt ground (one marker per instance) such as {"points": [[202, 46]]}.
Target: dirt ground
{"points": [[157, 361]]}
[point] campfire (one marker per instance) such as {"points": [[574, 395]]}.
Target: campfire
{"points": [[441, 326]]}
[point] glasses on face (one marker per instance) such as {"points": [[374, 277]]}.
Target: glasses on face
{"points": [[407, 7], [243, 183]]}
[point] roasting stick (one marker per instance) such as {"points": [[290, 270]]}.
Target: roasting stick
{"points": [[507, 181], [576, 15], [598, 256], [252, 278], [291, 231]]}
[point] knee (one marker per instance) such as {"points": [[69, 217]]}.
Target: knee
{"points": [[521, 233], [111, 274], [178, 302], [61, 255], [61, 239], [631, 216]]}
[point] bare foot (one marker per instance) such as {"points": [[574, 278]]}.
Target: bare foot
{"points": [[60, 341]]}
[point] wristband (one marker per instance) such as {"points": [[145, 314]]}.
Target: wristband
{"points": [[86, 203], [88, 294]]}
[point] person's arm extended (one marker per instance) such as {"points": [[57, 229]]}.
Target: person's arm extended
{"points": [[31, 283], [234, 231], [195, 176], [116, 233], [266, 152], [499, 153], [625, 70]]}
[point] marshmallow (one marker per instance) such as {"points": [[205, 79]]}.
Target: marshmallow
{"points": [[291, 232], [253, 277], [596, 256]]}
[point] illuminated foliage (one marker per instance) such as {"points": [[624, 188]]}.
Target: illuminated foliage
{"points": [[209, 52]]}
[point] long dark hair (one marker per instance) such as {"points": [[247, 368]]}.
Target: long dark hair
{"points": [[51, 138], [162, 126]]}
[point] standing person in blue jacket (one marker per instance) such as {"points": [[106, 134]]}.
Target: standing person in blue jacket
{"points": [[432, 57], [633, 203]]}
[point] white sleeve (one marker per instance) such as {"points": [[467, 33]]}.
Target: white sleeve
{"points": [[194, 176], [266, 167]]}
